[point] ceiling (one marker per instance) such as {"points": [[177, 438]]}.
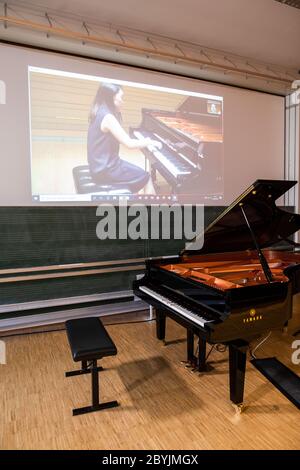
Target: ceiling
{"points": [[265, 30]]}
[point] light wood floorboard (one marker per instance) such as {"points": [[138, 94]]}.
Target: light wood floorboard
{"points": [[163, 405]]}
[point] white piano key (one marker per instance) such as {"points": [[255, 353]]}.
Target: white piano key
{"points": [[162, 158], [175, 150], [176, 307]]}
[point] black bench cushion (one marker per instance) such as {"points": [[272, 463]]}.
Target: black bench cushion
{"points": [[89, 339], [85, 184]]}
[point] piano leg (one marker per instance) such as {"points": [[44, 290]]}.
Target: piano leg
{"points": [[237, 369], [160, 325]]}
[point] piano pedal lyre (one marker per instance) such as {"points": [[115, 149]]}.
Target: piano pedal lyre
{"points": [[191, 365], [188, 364]]}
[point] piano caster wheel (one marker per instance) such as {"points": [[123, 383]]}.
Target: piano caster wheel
{"points": [[239, 408]]}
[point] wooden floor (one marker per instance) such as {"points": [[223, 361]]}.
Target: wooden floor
{"points": [[163, 405]]}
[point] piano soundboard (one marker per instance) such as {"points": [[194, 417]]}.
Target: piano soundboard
{"points": [[192, 129]]}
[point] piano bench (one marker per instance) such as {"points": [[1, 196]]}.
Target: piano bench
{"points": [[85, 184], [89, 341]]}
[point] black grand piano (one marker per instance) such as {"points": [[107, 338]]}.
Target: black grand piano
{"points": [[191, 157], [235, 288]]}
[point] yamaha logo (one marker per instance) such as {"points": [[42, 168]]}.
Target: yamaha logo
{"points": [[252, 316]]}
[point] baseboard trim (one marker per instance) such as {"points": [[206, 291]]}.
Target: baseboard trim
{"points": [[37, 304], [60, 316]]}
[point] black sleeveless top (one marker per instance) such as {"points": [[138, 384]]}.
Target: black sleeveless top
{"points": [[102, 147]]}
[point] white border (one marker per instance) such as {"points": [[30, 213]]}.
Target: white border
{"points": [[95, 78]]}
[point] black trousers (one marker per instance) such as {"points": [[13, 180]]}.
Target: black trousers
{"points": [[123, 174]]}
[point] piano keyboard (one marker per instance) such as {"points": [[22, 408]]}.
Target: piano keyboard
{"points": [[160, 139], [173, 169], [176, 307]]}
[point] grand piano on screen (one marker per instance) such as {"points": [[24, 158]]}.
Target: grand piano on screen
{"points": [[235, 288], [190, 160]]}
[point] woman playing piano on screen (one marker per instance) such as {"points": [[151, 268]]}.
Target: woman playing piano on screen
{"points": [[105, 134]]}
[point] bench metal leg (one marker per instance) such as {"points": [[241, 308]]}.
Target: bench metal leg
{"points": [[96, 405], [85, 369], [100, 406]]}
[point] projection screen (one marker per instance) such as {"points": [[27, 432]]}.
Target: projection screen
{"points": [[79, 131]]}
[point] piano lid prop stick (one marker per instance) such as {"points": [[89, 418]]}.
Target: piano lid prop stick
{"points": [[262, 259]]}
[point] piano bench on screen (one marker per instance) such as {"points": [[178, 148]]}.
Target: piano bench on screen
{"points": [[85, 184], [89, 341]]}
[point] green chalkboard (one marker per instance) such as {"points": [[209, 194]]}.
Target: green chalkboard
{"points": [[45, 236]]}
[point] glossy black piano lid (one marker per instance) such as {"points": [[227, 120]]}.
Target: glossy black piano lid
{"points": [[194, 105], [270, 224]]}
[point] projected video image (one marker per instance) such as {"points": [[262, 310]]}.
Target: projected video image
{"points": [[95, 139]]}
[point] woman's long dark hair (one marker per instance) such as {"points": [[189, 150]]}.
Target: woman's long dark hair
{"points": [[105, 95]]}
